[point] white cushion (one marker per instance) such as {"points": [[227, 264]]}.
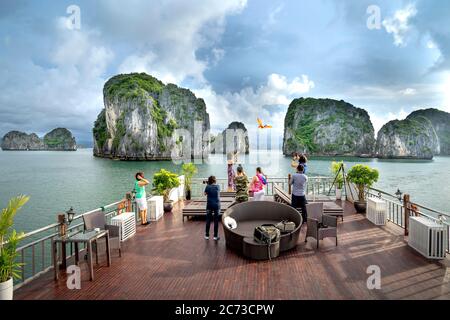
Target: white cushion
{"points": [[230, 223]]}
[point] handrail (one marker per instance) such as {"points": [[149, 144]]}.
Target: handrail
{"points": [[431, 210], [383, 192], [55, 225]]}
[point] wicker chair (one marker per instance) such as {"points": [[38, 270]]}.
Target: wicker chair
{"points": [[98, 220], [320, 226]]}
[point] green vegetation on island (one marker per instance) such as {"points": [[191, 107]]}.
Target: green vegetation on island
{"points": [[59, 139], [327, 127], [141, 115], [409, 138]]}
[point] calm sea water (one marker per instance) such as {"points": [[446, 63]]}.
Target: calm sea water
{"points": [[57, 180]]}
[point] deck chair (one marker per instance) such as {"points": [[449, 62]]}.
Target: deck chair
{"points": [[320, 225], [98, 220]]}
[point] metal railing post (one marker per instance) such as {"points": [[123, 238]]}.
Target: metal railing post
{"points": [[289, 183], [406, 206]]}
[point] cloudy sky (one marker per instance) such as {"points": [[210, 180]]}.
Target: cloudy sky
{"points": [[246, 58]]}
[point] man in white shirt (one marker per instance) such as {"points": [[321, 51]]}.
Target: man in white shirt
{"points": [[298, 198]]}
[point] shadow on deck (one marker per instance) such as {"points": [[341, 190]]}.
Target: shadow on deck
{"points": [[170, 260]]}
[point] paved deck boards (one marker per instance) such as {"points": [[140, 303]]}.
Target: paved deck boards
{"points": [[170, 260]]}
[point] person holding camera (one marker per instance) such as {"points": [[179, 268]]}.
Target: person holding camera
{"points": [[212, 193], [141, 196]]}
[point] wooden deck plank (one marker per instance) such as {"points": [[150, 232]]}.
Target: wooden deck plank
{"points": [[170, 260]]}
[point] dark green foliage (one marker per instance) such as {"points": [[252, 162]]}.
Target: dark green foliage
{"points": [[120, 131], [100, 130], [408, 127], [165, 130], [132, 85], [441, 123], [58, 138], [308, 120], [363, 177], [164, 181], [54, 142], [305, 132]]}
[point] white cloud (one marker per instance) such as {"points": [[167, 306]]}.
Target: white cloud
{"points": [[218, 55], [431, 44], [68, 93], [273, 14], [444, 90], [166, 39], [247, 104], [398, 25], [379, 120], [408, 92]]}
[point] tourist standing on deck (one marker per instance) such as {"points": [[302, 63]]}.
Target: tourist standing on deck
{"points": [[303, 161], [212, 192], [232, 159], [141, 196], [299, 182], [241, 183], [295, 158], [257, 185]]}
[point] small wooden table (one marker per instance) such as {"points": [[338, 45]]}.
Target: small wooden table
{"points": [[87, 237]]}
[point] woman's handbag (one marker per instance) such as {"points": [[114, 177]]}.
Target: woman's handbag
{"points": [[267, 234], [286, 226]]}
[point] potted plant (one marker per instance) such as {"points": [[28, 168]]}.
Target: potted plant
{"points": [[188, 170], [163, 182], [9, 239], [339, 176], [363, 177]]}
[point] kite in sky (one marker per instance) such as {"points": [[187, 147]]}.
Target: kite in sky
{"points": [[261, 126]]}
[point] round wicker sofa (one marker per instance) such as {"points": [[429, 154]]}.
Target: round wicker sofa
{"points": [[248, 216]]}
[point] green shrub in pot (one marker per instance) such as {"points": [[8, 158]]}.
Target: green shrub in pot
{"points": [[9, 240]]}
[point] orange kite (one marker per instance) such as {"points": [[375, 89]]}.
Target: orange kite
{"points": [[261, 126]]}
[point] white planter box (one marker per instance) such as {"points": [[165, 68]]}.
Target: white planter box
{"points": [[338, 194], [428, 237], [156, 207], [127, 224], [377, 211], [6, 290], [177, 194]]}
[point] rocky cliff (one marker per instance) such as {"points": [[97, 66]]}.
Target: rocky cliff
{"points": [[327, 127], [59, 139], [441, 124], [140, 118], [234, 138], [409, 138]]}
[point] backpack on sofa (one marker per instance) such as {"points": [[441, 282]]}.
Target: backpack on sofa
{"points": [[267, 234]]}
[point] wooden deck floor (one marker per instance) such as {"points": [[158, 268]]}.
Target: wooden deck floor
{"points": [[170, 260]]}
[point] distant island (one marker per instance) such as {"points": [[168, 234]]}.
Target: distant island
{"points": [[237, 140], [59, 139], [327, 127]]}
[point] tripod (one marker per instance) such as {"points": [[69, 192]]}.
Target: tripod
{"points": [[341, 169]]}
